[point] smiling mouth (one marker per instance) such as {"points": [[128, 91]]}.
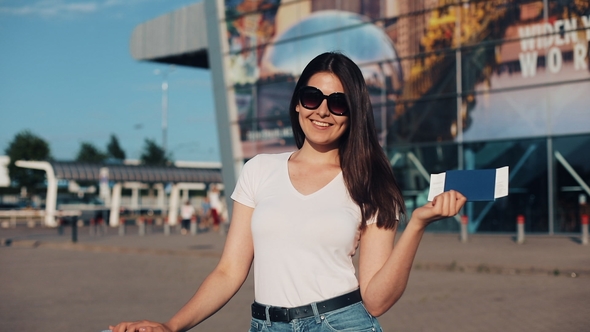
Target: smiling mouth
{"points": [[321, 124]]}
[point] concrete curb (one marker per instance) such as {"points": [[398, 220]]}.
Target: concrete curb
{"points": [[502, 270], [457, 267], [19, 243], [106, 248]]}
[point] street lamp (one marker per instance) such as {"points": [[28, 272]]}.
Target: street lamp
{"points": [[164, 74]]}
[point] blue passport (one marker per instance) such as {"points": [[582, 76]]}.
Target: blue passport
{"points": [[476, 185]]}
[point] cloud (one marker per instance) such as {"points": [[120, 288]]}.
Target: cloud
{"points": [[59, 8], [50, 8]]}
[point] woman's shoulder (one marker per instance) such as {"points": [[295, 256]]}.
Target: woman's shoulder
{"points": [[265, 158], [264, 164]]}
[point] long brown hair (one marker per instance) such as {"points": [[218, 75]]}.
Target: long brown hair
{"points": [[365, 167]]}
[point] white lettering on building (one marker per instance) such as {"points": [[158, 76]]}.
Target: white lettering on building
{"points": [[550, 37]]}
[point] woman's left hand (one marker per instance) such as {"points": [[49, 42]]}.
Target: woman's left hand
{"points": [[443, 205], [141, 326]]}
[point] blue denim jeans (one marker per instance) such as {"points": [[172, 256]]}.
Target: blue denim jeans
{"points": [[353, 318]]}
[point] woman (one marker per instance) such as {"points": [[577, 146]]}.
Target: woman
{"points": [[300, 217]]}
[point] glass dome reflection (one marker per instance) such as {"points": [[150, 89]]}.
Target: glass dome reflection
{"points": [[331, 30]]}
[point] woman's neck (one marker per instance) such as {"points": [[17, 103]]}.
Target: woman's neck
{"points": [[309, 154]]}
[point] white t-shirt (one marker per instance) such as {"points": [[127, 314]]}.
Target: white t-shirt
{"points": [[214, 200], [187, 211], [303, 244]]}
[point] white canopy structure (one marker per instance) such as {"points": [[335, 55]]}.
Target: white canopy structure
{"points": [[124, 176]]}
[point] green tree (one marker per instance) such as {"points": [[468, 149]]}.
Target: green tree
{"points": [[154, 155], [27, 146], [89, 153], [114, 150]]}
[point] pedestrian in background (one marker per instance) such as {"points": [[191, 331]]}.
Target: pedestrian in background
{"points": [[216, 206], [205, 214], [187, 211], [300, 217]]}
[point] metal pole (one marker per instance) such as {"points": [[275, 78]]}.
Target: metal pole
{"points": [[459, 84], [60, 226], [141, 225], [122, 227], [164, 74], [164, 114], [74, 222], [520, 229], [584, 225], [166, 226], [193, 228], [464, 223], [550, 159], [550, 185]]}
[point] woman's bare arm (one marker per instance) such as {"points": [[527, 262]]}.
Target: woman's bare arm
{"points": [[219, 287], [384, 269]]}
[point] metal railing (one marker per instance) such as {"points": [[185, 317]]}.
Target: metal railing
{"points": [[10, 218]]}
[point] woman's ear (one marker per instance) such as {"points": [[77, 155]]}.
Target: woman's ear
{"points": [[297, 108]]}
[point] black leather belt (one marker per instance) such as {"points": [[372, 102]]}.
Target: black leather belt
{"points": [[280, 314]]}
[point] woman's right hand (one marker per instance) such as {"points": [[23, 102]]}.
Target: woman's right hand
{"points": [[444, 205], [140, 326]]}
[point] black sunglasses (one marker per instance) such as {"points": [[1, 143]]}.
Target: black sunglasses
{"points": [[311, 98]]}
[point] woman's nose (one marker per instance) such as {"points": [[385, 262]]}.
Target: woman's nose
{"points": [[323, 110]]}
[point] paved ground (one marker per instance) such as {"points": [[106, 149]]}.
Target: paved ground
{"points": [[490, 283]]}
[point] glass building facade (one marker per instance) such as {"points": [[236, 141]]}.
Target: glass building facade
{"points": [[454, 85]]}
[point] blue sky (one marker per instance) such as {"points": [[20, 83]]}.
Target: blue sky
{"points": [[67, 75]]}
